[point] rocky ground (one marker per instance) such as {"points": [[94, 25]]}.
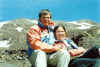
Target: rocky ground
{"points": [[13, 45]]}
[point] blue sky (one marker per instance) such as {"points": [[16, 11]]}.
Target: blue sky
{"points": [[66, 10]]}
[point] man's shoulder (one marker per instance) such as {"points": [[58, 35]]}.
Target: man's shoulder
{"points": [[51, 23], [35, 26]]}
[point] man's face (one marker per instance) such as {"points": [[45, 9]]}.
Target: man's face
{"points": [[45, 19]]}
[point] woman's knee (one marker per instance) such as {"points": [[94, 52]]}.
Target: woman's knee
{"points": [[64, 52], [96, 47]]}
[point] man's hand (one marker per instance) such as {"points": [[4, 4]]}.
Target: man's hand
{"points": [[59, 45], [56, 48]]}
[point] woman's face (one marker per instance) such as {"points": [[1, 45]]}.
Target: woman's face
{"points": [[60, 33]]}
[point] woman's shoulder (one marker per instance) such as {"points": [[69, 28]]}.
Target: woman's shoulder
{"points": [[68, 39]]}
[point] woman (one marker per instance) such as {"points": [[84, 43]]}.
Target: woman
{"points": [[64, 42]]}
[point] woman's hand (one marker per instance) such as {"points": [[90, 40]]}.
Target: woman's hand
{"points": [[76, 52], [82, 49]]}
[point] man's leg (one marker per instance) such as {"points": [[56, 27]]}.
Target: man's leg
{"points": [[60, 58], [38, 58]]}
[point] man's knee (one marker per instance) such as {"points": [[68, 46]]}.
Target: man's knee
{"points": [[40, 52]]}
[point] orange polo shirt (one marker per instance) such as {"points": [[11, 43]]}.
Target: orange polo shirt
{"points": [[34, 38]]}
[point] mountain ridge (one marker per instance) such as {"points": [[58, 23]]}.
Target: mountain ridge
{"points": [[13, 44]]}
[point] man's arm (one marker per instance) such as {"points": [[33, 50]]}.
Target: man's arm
{"points": [[33, 37]]}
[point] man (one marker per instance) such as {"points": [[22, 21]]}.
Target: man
{"points": [[39, 50]]}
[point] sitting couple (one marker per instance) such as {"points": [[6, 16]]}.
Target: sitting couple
{"points": [[52, 46]]}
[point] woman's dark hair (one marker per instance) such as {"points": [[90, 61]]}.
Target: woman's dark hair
{"points": [[44, 12], [56, 27]]}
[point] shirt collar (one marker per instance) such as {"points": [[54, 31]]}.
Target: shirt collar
{"points": [[42, 26], [50, 28]]}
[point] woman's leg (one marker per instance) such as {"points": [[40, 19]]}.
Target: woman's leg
{"points": [[86, 59], [93, 52], [60, 58]]}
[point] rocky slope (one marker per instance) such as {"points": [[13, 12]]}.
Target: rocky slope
{"points": [[13, 45]]}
